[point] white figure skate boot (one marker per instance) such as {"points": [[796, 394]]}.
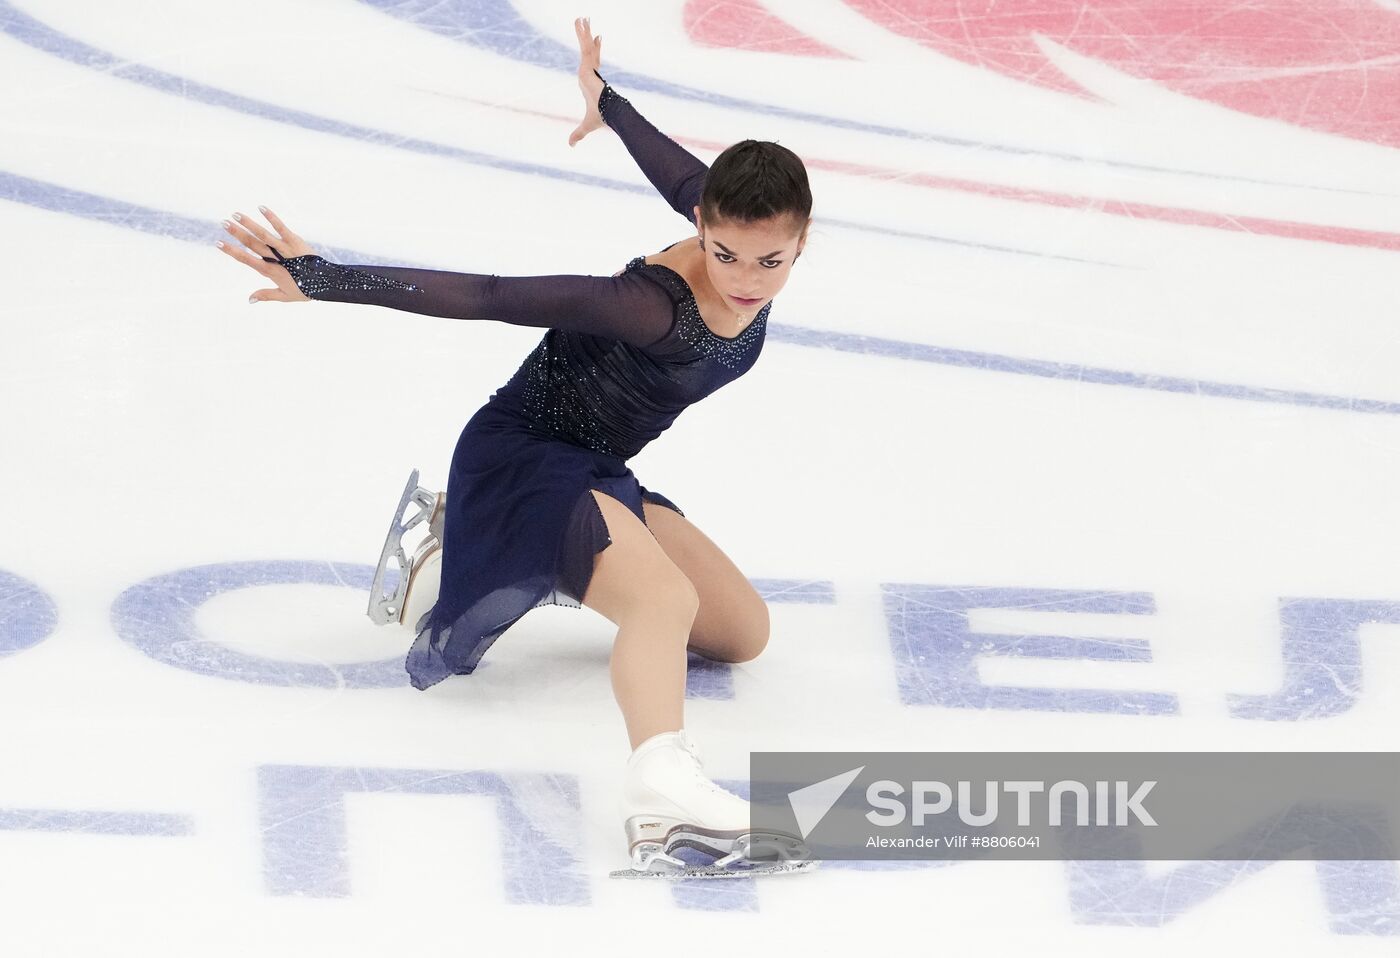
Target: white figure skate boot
{"points": [[680, 824], [420, 575]]}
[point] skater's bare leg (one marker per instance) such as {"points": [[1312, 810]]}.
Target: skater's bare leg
{"points": [[638, 588], [732, 623]]}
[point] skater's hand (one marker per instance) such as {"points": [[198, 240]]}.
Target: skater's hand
{"points": [[260, 250], [589, 56]]}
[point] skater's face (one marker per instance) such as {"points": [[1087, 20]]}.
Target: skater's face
{"points": [[750, 261]]}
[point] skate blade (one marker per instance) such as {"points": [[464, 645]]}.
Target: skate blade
{"points": [[756, 870], [386, 607], [730, 854], [739, 847]]}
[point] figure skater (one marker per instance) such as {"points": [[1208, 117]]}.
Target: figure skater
{"points": [[541, 507]]}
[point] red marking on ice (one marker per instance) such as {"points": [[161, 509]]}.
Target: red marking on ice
{"points": [[1331, 65], [1344, 236], [746, 25], [1341, 235]]}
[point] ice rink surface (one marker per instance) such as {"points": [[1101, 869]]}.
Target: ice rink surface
{"points": [[1094, 337]]}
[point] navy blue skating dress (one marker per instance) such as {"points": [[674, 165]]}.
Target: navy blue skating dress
{"points": [[624, 355]]}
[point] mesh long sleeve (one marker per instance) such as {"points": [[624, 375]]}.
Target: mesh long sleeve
{"points": [[626, 307], [677, 175]]}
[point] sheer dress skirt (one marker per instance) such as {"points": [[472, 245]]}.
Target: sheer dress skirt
{"points": [[521, 530]]}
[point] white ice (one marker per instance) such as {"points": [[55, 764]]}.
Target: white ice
{"points": [[1049, 397]]}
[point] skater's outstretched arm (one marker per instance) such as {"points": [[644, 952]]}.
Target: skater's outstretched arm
{"points": [[627, 307], [677, 174]]}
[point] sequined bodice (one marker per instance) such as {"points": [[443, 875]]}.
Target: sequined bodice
{"points": [[730, 351], [615, 397]]}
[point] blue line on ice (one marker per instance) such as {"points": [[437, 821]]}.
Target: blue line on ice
{"points": [[102, 209]]}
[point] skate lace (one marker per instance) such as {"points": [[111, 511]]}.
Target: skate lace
{"points": [[693, 751]]}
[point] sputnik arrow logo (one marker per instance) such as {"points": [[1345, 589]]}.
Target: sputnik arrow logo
{"points": [[811, 803]]}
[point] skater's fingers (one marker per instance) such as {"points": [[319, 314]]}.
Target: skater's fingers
{"points": [[277, 224], [588, 45], [254, 227], [247, 238], [262, 241], [249, 258], [269, 296], [239, 253]]}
